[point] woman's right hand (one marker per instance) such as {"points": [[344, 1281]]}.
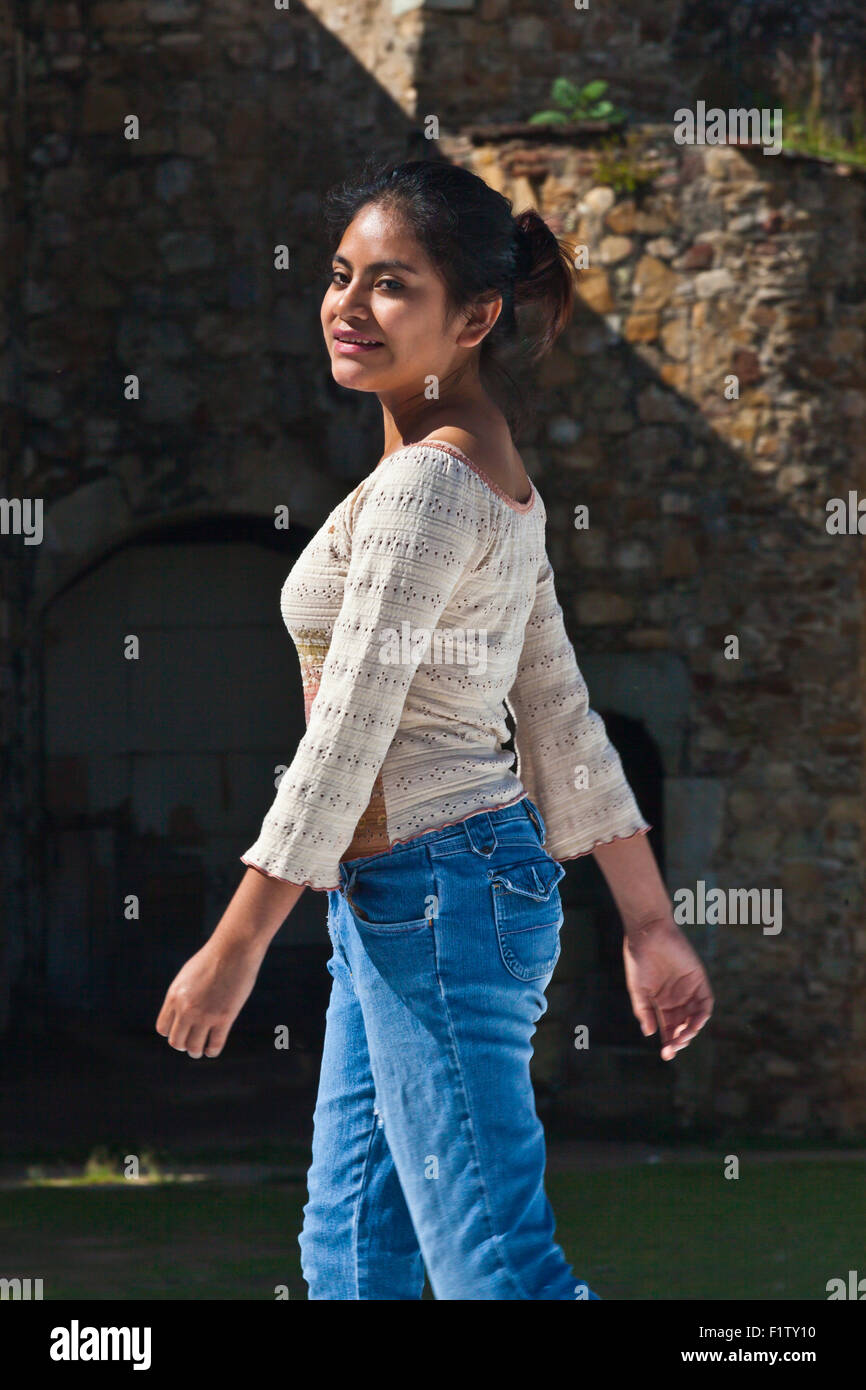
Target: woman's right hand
{"points": [[206, 996]]}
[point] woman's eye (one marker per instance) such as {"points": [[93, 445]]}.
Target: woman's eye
{"points": [[338, 277]]}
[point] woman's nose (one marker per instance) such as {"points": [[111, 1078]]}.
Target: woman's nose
{"points": [[350, 294]]}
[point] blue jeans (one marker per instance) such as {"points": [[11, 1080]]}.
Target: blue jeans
{"points": [[427, 1149]]}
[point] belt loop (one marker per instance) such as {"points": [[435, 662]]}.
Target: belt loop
{"points": [[348, 876], [536, 817], [481, 834]]}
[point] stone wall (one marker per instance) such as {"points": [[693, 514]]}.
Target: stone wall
{"points": [[707, 518]]}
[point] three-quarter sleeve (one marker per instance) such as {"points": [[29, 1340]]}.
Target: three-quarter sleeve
{"points": [[565, 759], [416, 531]]}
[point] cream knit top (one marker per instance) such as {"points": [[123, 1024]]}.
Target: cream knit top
{"points": [[423, 607]]}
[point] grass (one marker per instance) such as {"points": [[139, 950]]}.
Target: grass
{"points": [[683, 1231], [166, 1241], [807, 132], [664, 1231]]}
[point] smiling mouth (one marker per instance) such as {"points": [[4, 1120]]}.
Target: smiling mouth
{"points": [[352, 345]]}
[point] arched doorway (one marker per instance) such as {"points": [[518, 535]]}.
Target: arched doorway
{"points": [[158, 770]]}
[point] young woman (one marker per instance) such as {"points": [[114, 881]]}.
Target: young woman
{"points": [[423, 607]]}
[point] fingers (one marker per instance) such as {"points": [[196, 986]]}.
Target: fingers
{"points": [[679, 1025], [197, 1040], [194, 1037], [180, 1028], [677, 1039], [646, 1018], [216, 1040], [678, 1034], [189, 1033]]}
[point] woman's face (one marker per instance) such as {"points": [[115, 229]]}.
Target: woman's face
{"points": [[385, 288]]}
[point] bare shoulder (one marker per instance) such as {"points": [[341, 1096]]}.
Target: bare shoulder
{"points": [[496, 457]]}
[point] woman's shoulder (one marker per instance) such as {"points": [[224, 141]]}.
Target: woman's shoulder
{"points": [[409, 487], [495, 458]]}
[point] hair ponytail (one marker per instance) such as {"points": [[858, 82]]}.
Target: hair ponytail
{"points": [[544, 277]]}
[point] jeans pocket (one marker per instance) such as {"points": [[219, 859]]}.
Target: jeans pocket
{"points": [[528, 912], [392, 894]]}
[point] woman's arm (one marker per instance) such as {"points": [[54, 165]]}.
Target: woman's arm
{"points": [[557, 736], [207, 994], [255, 914], [634, 879]]}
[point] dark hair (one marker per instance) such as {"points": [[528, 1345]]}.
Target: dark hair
{"points": [[478, 247]]}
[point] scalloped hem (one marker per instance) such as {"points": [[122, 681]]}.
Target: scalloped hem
{"points": [[584, 852], [305, 883]]}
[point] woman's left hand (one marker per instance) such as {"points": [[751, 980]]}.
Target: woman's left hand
{"points": [[667, 984]]}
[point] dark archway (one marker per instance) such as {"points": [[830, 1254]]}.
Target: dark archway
{"points": [[157, 771], [594, 1071]]}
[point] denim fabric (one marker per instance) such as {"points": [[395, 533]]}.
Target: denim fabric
{"points": [[427, 1149]]}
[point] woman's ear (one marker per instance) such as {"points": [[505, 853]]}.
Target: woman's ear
{"points": [[484, 314]]}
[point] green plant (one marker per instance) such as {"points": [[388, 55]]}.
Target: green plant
{"points": [[621, 169], [575, 103]]}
